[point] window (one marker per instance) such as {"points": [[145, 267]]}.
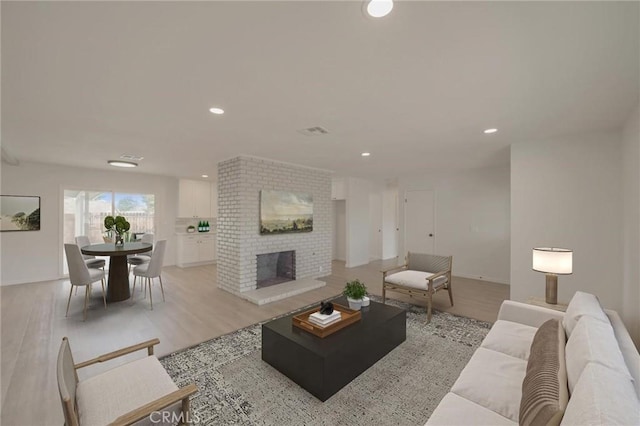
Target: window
{"points": [[84, 212]]}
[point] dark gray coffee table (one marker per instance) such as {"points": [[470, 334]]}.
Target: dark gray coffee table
{"points": [[324, 366]]}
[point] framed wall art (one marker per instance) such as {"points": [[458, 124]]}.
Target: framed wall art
{"points": [[282, 212], [19, 213]]}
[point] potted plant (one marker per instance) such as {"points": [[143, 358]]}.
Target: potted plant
{"points": [[117, 225], [355, 291]]}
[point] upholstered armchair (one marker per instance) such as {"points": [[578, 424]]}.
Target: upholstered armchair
{"points": [[422, 275], [138, 392]]}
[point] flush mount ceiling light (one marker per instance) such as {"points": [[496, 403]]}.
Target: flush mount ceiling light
{"points": [[120, 163], [365, 154], [379, 8], [489, 131], [205, 176], [218, 111]]}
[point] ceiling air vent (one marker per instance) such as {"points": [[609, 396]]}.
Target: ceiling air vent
{"points": [[314, 131], [131, 157]]}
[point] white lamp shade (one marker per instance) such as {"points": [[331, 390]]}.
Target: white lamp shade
{"points": [[553, 260]]}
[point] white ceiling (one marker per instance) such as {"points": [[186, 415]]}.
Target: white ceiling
{"points": [[85, 82]]}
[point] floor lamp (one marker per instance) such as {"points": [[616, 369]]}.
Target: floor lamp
{"points": [[553, 262]]}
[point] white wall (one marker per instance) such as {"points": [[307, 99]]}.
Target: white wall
{"points": [[631, 235], [357, 221], [375, 222], [472, 217], [37, 255], [566, 193]]}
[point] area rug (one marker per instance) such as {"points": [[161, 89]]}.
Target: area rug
{"points": [[237, 388]]}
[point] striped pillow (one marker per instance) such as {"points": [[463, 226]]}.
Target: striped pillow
{"points": [[544, 388]]}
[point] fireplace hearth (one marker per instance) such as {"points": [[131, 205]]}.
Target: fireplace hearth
{"points": [[275, 268]]}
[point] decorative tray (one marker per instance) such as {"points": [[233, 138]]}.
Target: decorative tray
{"points": [[349, 316]]}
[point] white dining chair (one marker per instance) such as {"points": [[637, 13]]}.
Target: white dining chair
{"points": [[151, 270], [141, 258], [91, 261], [81, 275]]}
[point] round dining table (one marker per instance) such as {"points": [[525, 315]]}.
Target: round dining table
{"points": [[118, 282]]}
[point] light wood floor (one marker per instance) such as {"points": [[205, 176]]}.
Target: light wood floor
{"points": [[33, 324]]}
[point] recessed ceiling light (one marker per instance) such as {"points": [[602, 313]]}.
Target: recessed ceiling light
{"points": [[487, 131], [120, 163], [365, 154], [205, 176], [216, 111], [379, 8]]}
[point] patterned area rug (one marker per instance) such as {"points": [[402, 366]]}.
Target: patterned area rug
{"points": [[403, 388]]}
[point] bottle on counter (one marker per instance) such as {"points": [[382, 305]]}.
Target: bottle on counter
{"points": [[206, 226], [200, 226]]}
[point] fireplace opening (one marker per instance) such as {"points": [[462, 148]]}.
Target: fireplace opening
{"points": [[275, 268]]}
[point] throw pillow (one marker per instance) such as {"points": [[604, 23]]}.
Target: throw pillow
{"points": [[582, 304], [544, 388]]}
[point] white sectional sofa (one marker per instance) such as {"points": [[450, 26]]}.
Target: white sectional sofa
{"points": [[601, 375]]}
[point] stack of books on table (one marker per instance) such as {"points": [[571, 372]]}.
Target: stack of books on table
{"points": [[324, 320]]}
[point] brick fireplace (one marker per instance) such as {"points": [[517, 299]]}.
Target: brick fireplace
{"points": [[240, 181]]}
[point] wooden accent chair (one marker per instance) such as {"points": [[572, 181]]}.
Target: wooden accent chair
{"points": [[138, 390], [422, 275]]}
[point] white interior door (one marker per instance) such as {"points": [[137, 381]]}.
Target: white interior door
{"points": [[419, 223], [375, 224], [340, 230]]}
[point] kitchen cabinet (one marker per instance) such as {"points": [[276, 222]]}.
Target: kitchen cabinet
{"points": [[194, 199], [214, 199], [338, 189], [197, 249]]}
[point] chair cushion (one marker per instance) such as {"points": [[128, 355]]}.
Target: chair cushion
{"points": [[593, 341], [494, 380], [454, 410], [138, 259], [582, 304], [602, 397], [510, 338], [96, 274], [414, 279], [544, 388], [141, 269], [94, 263], [103, 398]]}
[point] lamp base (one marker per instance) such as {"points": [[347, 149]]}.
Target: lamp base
{"points": [[551, 292]]}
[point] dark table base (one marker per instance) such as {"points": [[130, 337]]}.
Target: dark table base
{"points": [[118, 284], [324, 366]]}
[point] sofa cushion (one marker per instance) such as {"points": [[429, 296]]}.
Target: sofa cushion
{"points": [[415, 279], [593, 341], [510, 338], [103, 398], [602, 397], [582, 304], [493, 380], [454, 410], [544, 388]]}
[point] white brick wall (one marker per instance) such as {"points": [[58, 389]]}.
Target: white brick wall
{"points": [[240, 181]]}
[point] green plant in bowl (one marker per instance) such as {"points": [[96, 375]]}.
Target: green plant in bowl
{"points": [[355, 291]]}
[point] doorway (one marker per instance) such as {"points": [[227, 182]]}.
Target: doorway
{"points": [[339, 230], [419, 222]]}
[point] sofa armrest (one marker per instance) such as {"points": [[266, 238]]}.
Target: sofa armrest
{"points": [[526, 314]]}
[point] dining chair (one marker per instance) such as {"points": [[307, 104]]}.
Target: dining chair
{"points": [[81, 275], [138, 392], [151, 270], [90, 260], [140, 258]]}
